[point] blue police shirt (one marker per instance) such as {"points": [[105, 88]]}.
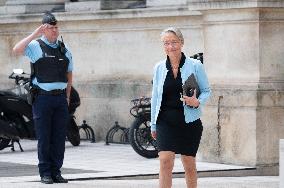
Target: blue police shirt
{"points": [[34, 52]]}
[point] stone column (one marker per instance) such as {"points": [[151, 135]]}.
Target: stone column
{"points": [[31, 6], [281, 163], [243, 55]]}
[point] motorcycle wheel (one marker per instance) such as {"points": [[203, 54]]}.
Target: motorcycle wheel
{"points": [[141, 139], [4, 142], [73, 133]]}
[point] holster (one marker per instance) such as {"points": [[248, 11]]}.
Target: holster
{"points": [[33, 92]]}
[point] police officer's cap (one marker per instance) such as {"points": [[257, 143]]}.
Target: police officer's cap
{"points": [[49, 18]]}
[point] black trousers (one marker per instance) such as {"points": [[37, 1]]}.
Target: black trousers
{"points": [[50, 114]]}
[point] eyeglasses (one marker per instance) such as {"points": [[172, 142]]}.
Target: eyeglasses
{"points": [[172, 43]]}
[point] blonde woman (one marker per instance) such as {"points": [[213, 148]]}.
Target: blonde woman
{"points": [[175, 123]]}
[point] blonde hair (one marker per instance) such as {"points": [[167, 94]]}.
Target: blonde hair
{"points": [[175, 31]]}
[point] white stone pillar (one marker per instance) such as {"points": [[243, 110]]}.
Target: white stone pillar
{"points": [[281, 162], [243, 55]]}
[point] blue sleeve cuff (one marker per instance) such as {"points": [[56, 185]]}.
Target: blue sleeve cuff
{"points": [[153, 127]]}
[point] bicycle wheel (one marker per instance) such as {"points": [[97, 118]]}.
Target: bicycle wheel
{"points": [[141, 139]]}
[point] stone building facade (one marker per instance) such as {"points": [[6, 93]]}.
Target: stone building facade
{"points": [[115, 49]]}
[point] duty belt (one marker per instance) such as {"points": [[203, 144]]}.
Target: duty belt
{"points": [[51, 92]]}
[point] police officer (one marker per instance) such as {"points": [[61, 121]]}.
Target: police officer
{"points": [[51, 75]]}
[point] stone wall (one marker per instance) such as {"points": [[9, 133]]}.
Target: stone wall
{"points": [[114, 52]]}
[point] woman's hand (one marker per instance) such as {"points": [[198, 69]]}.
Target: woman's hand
{"points": [[154, 134], [191, 101]]}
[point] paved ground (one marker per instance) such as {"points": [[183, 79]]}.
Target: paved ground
{"points": [[114, 165]]}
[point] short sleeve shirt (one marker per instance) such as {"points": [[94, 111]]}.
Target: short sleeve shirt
{"points": [[34, 52]]}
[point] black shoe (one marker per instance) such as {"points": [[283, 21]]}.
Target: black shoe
{"points": [[59, 179], [46, 180]]}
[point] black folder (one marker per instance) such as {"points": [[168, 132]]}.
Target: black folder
{"points": [[190, 85]]}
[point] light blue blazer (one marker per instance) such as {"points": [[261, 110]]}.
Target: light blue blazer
{"points": [[190, 66]]}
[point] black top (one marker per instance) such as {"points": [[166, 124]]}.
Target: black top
{"points": [[172, 88]]}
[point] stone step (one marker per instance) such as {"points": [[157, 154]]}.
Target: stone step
{"points": [[159, 3], [82, 6], [31, 6], [27, 9], [122, 4]]}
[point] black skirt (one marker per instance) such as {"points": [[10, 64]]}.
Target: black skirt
{"points": [[174, 134]]}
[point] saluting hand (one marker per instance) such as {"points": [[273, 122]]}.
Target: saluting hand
{"points": [[39, 31], [20, 47]]}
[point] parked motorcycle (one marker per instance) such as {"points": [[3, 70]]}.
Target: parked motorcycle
{"points": [[140, 131], [16, 121]]}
